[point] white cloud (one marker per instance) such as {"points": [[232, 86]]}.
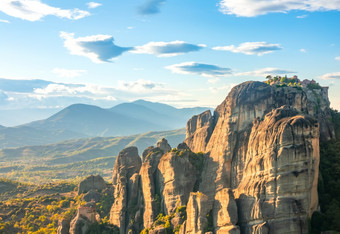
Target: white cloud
{"points": [[193, 68], [98, 48], [250, 48], [265, 72], [33, 10], [167, 49], [4, 21], [139, 85], [251, 8], [301, 16], [130, 27], [303, 50], [330, 76], [68, 72], [93, 5], [337, 58]]}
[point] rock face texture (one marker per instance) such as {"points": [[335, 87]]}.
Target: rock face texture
{"points": [[251, 167], [86, 215], [91, 183], [197, 211], [125, 182], [265, 147]]}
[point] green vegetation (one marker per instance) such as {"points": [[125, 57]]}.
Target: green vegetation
{"points": [[329, 184], [104, 227], [26, 208], [74, 158], [165, 221], [37, 209], [314, 86], [283, 81]]}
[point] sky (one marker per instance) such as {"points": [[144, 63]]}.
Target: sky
{"points": [[183, 53]]}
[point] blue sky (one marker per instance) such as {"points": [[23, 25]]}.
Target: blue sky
{"points": [[184, 53]]}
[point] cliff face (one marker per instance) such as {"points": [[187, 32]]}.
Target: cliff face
{"points": [[258, 171]]}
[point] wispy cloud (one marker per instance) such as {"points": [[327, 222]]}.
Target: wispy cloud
{"points": [[4, 21], [265, 72], [151, 7], [27, 93], [33, 10], [301, 16], [62, 72], [251, 48], [193, 68], [330, 76], [303, 50], [139, 85], [99, 48], [167, 49], [93, 5], [337, 58], [251, 8]]}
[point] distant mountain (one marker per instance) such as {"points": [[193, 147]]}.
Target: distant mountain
{"points": [[80, 120], [81, 157], [122, 120], [95, 121], [24, 135]]}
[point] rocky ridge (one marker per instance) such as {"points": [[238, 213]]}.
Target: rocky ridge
{"points": [[250, 167]]}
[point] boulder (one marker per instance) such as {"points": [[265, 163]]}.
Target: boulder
{"points": [[91, 183]]}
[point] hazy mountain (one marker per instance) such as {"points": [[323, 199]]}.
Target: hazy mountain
{"points": [[80, 120], [25, 135], [122, 120], [73, 158]]}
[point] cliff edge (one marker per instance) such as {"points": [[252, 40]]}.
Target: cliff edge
{"points": [[250, 167]]}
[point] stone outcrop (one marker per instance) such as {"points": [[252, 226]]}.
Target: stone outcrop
{"points": [[163, 145], [63, 226], [225, 216], [150, 183], [178, 177], [264, 146], [91, 183], [86, 215], [250, 167], [197, 211], [125, 182]]}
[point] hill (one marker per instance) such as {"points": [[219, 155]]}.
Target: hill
{"points": [[83, 121], [74, 158]]}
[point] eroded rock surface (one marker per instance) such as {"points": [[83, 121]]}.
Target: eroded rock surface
{"points": [[125, 182], [257, 172], [92, 183]]}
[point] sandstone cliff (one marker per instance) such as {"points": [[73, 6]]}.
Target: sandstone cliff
{"points": [[251, 167]]}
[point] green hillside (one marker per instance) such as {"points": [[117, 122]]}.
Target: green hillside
{"points": [[75, 158]]}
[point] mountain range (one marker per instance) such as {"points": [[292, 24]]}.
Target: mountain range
{"points": [[83, 121], [75, 158]]}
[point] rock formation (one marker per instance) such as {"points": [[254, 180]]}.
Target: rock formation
{"points": [[251, 167], [125, 182], [86, 215], [91, 183]]}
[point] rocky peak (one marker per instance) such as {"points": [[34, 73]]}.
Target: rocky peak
{"points": [[91, 183], [163, 145], [250, 167]]}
